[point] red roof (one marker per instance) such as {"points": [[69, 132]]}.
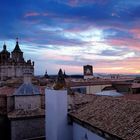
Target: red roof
{"points": [[7, 90], [131, 97], [115, 116]]}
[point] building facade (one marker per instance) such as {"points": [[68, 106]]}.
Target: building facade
{"points": [[27, 117], [13, 64]]}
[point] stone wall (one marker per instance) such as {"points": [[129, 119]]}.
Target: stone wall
{"points": [[27, 128], [3, 104], [10, 71], [10, 103], [30, 102]]}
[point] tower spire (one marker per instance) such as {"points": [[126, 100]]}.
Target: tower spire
{"points": [[17, 48], [17, 41], [60, 83], [4, 46]]}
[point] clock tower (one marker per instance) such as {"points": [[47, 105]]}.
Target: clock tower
{"points": [[88, 72]]}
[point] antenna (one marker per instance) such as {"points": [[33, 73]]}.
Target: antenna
{"points": [[17, 39]]}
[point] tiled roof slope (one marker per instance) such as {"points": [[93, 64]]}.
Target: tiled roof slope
{"points": [[75, 84], [116, 116], [7, 90]]}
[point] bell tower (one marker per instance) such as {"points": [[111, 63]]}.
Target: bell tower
{"points": [[17, 54], [4, 55]]}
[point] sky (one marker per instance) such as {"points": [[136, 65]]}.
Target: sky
{"points": [[68, 34]]}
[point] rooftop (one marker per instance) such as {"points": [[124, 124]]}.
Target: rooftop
{"points": [[7, 90], [117, 116], [27, 89], [86, 83]]}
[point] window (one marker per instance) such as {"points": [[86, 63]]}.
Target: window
{"points": [[85, 137]]}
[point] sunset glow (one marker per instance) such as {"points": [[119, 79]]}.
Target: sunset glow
{"points": [[69, 34]]}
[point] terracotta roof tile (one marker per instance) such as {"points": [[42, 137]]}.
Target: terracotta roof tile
{"points": [[116, 116], [7, 90], [131, 97], [84, 83]]}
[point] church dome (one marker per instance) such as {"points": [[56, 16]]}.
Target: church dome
{"points": [[4, 55], [4, 51], [27, 89]]}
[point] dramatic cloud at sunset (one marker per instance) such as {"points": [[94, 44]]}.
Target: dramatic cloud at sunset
{"points": [[68, 34]]}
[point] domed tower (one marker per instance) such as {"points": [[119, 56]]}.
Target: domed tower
{"points": [[17, 54], [4, 55]]}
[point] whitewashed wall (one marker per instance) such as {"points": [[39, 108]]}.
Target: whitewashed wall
{"points": [[57, 127], [81, 133]]}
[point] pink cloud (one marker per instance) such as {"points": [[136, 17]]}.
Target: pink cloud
{"points": [[52, 55], [31, 14], [127, 66], [38, 15], [42, 14], [78, 2], [46, 14], [130, 43], [136, 32]]}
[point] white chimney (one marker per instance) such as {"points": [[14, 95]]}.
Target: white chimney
{"points": [[57, 127]]}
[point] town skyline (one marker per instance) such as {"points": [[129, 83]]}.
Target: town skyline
{"points": [[69, 34]]}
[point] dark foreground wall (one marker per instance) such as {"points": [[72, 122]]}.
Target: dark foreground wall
{"points": [[4, 128], [27, 128]]}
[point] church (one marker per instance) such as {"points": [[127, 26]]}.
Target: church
{"points": [[13, 64]]}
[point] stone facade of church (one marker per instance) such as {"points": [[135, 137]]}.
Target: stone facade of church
{"points": [[13, 64]]}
